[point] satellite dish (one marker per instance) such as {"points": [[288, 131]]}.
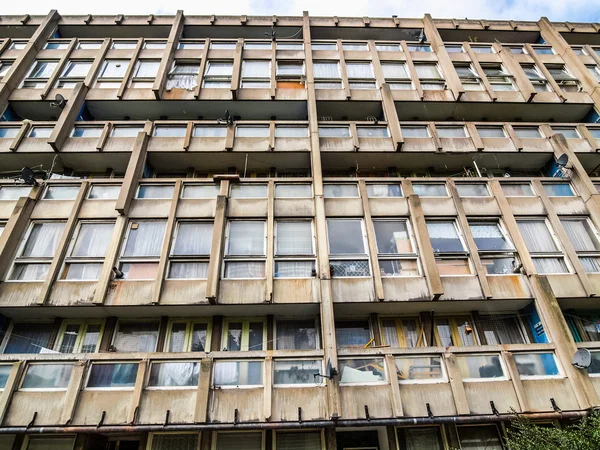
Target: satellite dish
{"points": [[582, 359], [562, 160], [28, 176], [59, 102]]}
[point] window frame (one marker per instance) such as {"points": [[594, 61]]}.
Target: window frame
{"points": [[63, 78], [312, 384], [227, 258], [539, 81], [350, 256], [245, 334], [84, 324], [495, 254], [566, 77], [385, 380], [559, 375], [169, 388], [123, 259], [505, 373], [473, 79], [151, 435], [444, 373], [120, 322], [296, 319], [259, 79], [40, 80], [10, 329], [190, 323], [454, 322], [292, 257], [195, 258], [559, 253], [45, 363], [113, 362], [238, 386], [506, 79], [399, 328], [412, 256], [207, 77], [595, 235]]}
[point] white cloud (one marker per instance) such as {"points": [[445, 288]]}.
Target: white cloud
{"points": [[582, 10]]}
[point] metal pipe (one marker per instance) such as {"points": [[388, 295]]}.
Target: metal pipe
{"points": [[404, 421]]}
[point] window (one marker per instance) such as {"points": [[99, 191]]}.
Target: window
{"points": [[256, 73], [479, 437], [293, 190], [419, 48], [190, 251], [430, 189], [383, 190], [47, 377], [454, 48], [296, 335], [257, 45], [495, 249], [472, 190], [237, 374], [126, 131], [184, 75], [347, 248], [558, 189], [124, 45], [288, 45], [430, 77], [420, 437], [547, 257], [155, 45], [40, 132], [86, 132], [155, 191], [395, 248], [210, 131], [480, 367], [402, 332], [89, 45], [327, 74], [385, 47], [289, 69], [482, 48], [420, 369], [323, 46], [113, 69], [340, 191], [334, 132], [584, 238], [536, 78], [18, 45], [296, 372], [169, 131], [498, 77], [54, 443], [491, 131], [517, 189], [451, 132], [356, 46], [222, 45], [502, 329], [293, 131], [372, 132], [4, 68], [248, 191], [112, 376], [79, 337], [200, 191], [451, 255], [244, 335], [594, 70], [37, 251], [141, 249], [145, 70], [8, 132], [415, 131], [567, 132], [74, 72], [174, 374], [87, 250], [528, 132], [397, 75], [166, 441], [54, 192], [535, 365], [564, 78], [362, 371], [352, 333], [39, 74], [470, 79], [258, 131], [293, 243], [253, 440], [190, 45], [187, 336], [360, 75], [5, 370], [454, 331], [104, 192], [136, 337], [245, 249], [542, 50], [29, 338]]}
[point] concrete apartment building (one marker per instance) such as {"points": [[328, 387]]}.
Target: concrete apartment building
{"points": [[295, 233]]}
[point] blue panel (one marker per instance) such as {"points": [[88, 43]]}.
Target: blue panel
{"points": [[535, 324]]}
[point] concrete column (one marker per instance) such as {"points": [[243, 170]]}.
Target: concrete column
{"points": [[130, 68], [169, 54], [68, 116], [371, 240], [270, 242], [136, 396], [135, 168], [456, 384], [51, 83], [397, 409], [237, 68], [112, 253], [216, 249], [203, 392], [72, 393], [12, 383], [509, 361], [521, 80]]}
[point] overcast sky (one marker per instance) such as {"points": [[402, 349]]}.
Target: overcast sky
{"points": [[557, 10]]}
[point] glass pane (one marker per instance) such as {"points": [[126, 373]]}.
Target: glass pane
{"points": [[479, 438], [550, 265], [126, 131], [294, 238], [104, 192], [491, 132], [248, 191], [86, 132], [199, 331], [291, 131], [238, 373], [168, 131], [392, 237], [174, 374], [234, 336], [293, 191], [384, 190], [372, 132], [517, 190], [350, 268], [480, 366], [29, 338], [61, 192], [29, 272], [296, 372], [255, 336], [193, 239], [42, 69], [14, 192], [580, 233], [558, 189], [5, 370], [145, 238], [50, 443], [499, 330], [426, 71], [472, 190], [326, 69], [527, 132], [246, 238], [43, 239], [69, 338], [593, 369], [155, 191], [136, 337], [362, 371], [489, 237], [537, 236], [294, 269], [189, 270], [90, 339], [245, 269], [535, 364], [47, 376], [590, 264], [254, 132], [345, 237], [444, 237], [334, 132], [415, 132], [398, 267], [200, 191], [114, 68], [187, 441], [451, 132], [499, 266], [352, 333], [177, 337], [8, 133], [139, 271], [290, 68], [231, 441], [296, 335], [93, 239], [420, 438], [340, 190], [424, 368], [430, 189], [112, 375]]}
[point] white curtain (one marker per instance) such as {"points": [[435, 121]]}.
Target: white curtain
{"points": [[29, 272], [43, 239], [93, 239], [294, 269], [501, 330], [581, 235], [174, 374], [299, 441], [245, 269], [146, 239], [136, 337], [426, 71], [84, 271], [238, 373], [590, 264], [105, 192], [550, 265], [246, 238], [189, 270], [193, 239], [183, 76], [328, 70], [294, 238], [394, 70], [384, 190], [184, 441], [359, 70], [537, 236], [389, 333], [442, 230]]}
